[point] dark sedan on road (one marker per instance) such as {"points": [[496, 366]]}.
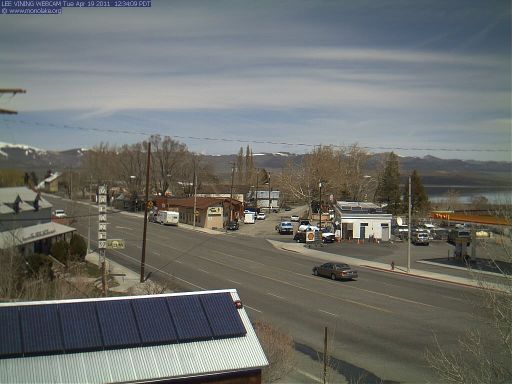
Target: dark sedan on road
{"points": [[336, 271]]}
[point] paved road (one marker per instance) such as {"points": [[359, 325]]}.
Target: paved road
{"points": [[381, 323]]}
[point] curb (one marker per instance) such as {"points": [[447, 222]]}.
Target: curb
{"points": [[422, 277]]}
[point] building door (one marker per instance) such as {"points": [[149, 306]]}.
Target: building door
{"points": [[362, 231], [385, 232]]}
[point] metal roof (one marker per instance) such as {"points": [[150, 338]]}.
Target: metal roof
{"points": [[168, 361], [27, 196], [33, 233]]}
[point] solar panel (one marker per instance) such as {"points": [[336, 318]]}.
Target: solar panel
{"points": [[117, 324], [40, 327], [154, 320], [10, 334], [222, 315], [80, 327], [189, 318]]}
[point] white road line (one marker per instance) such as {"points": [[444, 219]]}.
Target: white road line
{"points": [[309, 376], [119, 227], [329, 313], [177, 261], [202, 270], [254, 309], [156, 253], [139, 247], [235, 282], [279, 297]]}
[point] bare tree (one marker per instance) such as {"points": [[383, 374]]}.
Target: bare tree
{"points": [[483, 358], [168, 156]]}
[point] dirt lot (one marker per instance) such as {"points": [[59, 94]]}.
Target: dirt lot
{"points": [[267, 228]]}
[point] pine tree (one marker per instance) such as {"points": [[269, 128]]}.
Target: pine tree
{"points": [[419, 198], [388, 190], [239, 170]]}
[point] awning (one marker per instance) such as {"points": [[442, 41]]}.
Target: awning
{"points": [[33, 233]]}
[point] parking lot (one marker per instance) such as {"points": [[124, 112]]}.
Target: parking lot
{"points": [[437, 254]]}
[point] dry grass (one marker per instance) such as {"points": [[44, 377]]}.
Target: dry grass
{"points": [[279, 349]]}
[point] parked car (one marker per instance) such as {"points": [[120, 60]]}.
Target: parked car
{"points": [[304, 224], [336, 271], [328, 236], [232, 225], [59, 213], [300, 237], [285, 228], [420, 238], [152, 217], [294, 218], [261, 216]]}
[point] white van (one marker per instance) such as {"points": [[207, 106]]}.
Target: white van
{"points": [[168, 217], [249, 217]]}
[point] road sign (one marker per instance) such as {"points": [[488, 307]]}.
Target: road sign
{"points": [[115, 244], [310, 236]]}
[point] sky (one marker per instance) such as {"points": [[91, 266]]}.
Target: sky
{"points": [[417, 77]]}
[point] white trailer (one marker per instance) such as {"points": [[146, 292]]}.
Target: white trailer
{"points": [[168, 217], [249, 218]]}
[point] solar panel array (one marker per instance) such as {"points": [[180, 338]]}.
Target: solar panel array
{"points": [[48, 329]]}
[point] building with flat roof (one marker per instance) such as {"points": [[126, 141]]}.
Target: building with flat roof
{"points": [[362, 220]]}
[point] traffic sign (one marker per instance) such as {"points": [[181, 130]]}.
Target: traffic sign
{"points": [[115, 244]]}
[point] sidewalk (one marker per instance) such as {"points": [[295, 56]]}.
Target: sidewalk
{"points": [[399, 269], [127, 280]]}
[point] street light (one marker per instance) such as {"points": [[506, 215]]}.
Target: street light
{"points": [[132, 181], [320, 206]]}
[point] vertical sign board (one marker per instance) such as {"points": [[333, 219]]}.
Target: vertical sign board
{"points": [[102, 227]]}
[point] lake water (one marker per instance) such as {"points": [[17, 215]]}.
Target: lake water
{"points": [[495, 195]]}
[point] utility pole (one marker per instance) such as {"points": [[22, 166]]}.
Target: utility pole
{"points": [[409, 232], [325, 356], [89, 219], [195, 196], [231, 192], [12, 91], [257, 186], [143, 257], [269, 197]]}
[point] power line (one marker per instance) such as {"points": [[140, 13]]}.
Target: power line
{"points": [[242, 141]]}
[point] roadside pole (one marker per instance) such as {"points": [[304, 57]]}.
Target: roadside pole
{"points": [[195, 198], [325, 356], [143, 256], [409, 232], [102, 235]]}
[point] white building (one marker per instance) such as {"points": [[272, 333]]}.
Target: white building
{"points": [[260, 198], [361, 220]]}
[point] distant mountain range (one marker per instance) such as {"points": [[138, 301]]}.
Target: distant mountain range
{"points": [[434, 171]]}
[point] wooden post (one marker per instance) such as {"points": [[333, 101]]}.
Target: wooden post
{"points": [[325, 356]]}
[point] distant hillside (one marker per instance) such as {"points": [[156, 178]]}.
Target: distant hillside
{"points": [[434, 171], [37, 160]]}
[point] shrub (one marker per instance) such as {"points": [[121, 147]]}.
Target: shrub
{"points": [[38, 265], [77, 247], [279, 349], [60, 250]]}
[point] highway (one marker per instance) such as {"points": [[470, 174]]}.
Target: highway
{"points": [[381, 323]]}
